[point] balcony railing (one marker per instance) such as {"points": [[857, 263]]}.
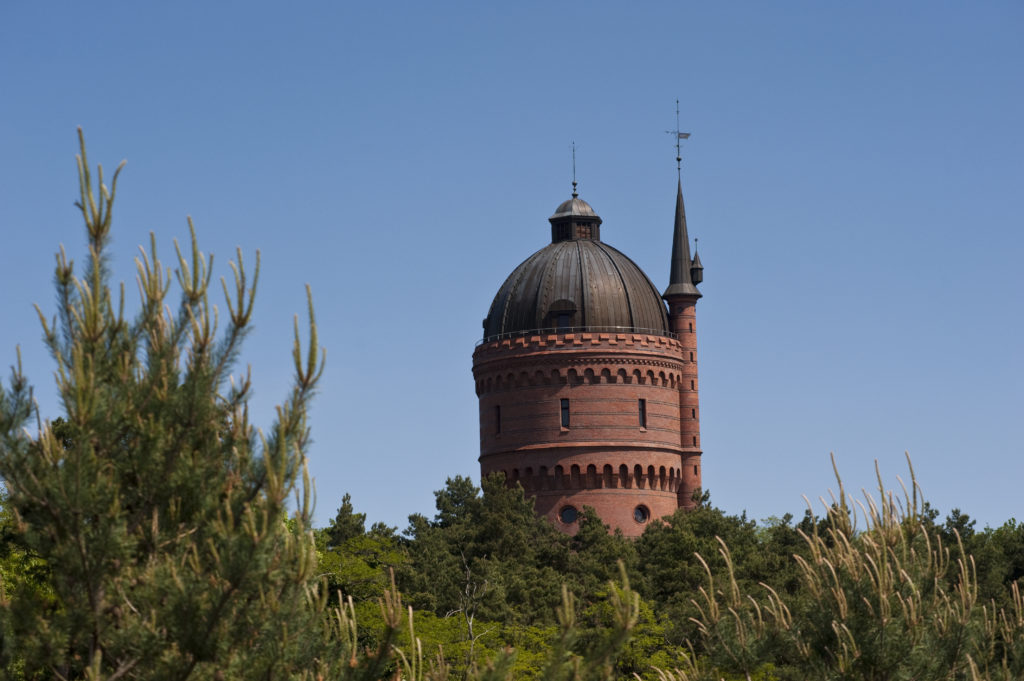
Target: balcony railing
{"points": [[565, 330]]}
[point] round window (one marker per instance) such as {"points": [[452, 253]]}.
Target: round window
{"points": [[641, 514], [568, 515]]}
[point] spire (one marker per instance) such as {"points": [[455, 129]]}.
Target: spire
{"points": [[680, 280]]}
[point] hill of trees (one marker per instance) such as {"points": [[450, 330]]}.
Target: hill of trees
{"points": [[146, 533], [716, 595]]}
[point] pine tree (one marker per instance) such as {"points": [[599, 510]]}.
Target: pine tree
{"points": [[161, 513], [347, 524]]}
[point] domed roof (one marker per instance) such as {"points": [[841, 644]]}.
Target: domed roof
{"points": [[577, 282], [573, 206]]}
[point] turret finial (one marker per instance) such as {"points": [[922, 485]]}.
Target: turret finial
{"points": [[574, 194]]}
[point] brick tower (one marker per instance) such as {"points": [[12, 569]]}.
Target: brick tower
{"points": [[588, 383]]}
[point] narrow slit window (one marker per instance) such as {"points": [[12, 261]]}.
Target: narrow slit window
{"points": [[693, 413], [497, 419], [642, 409], [565, 412], [692, 384]]}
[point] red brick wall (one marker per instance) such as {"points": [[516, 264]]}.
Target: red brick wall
{"points": [[682, 320], [603, 375]]}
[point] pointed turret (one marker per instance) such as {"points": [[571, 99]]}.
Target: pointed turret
{"points": [[681, 280], [696, 269]]}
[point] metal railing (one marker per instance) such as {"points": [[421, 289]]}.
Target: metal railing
{"points": [[565, 330]]}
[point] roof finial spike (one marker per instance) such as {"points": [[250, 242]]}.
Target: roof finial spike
{"points": [[679, 136], [679, 156], [574, 194]]}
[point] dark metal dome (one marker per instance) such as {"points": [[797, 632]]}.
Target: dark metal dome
{"points": [[576, 282]]}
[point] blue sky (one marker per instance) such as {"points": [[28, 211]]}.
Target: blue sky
{"points": [[854, 177]]}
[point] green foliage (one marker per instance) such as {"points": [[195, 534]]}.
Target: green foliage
{"points": [[666, 549], [347, 524], [397, 649], [485, 556], [998, 554], [646, 648], [671, 574], [893, 601], [594, 555], [776, 600], [360, 566], [158, 509], [602, 652], [903, 598], [24, 577]]}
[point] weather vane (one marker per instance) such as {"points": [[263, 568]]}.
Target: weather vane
{"points": [[679, 136]]}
